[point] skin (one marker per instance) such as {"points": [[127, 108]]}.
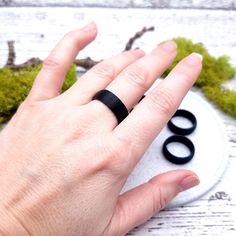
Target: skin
{"points": [[64, 159]]}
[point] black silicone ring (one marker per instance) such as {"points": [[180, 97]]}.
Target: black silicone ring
{"points": [[113, 103], [183, 131], [176, 159]]}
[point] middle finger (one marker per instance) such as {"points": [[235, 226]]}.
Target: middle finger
{"points": [[131, 84], [136, 79]]}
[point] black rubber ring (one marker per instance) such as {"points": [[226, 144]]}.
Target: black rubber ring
{"points": [[113, 103], [183, 131], [176, 159]]}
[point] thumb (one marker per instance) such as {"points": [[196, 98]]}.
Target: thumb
{"points": [[139, 204]]}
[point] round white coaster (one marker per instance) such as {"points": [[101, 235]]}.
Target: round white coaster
{"points": [[209, 161]]}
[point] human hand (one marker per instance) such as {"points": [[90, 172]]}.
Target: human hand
{"points": [[64, 159]]}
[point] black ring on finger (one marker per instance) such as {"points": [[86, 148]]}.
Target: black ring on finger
{"points": [[179, 130], [177, 159], [113, 103]]}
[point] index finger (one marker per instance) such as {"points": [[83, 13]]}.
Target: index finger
{"points": [[148, 118], [50, 79]]}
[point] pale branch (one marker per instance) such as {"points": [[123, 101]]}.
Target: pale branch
{"points": [[85, 63], [137, 35], [11, 53]]}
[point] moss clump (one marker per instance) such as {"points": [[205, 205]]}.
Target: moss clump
{"points": [[15, 85], [223, 98], [215, 71]]}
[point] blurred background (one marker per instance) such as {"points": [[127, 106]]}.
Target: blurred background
{"points": [[36, 26], [209, 4]]}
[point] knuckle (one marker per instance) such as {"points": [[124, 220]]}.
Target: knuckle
{"points": [[164, 55], [113, 157], [70, 36], [158, 200], [129, 55], [184, 72], [137, 75], [162, 100], [28, 109], [34, 108], [161, 200], [104, 70], [27, 104], [114, 161], [124, 211], [51, 63]]}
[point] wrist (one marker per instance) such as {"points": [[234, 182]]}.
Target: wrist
{"points": [[9, 225]]}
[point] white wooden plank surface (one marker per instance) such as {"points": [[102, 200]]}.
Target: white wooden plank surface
{"points": [[208, 4], [36, 30]]}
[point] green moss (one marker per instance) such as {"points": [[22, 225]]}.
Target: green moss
{"points": [[215, 71], [15, 85], [223, 98]]}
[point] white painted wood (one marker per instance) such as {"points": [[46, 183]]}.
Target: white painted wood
{"points": [[208, 4], [36, 30]]}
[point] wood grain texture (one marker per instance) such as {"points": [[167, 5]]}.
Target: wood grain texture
{"points": [[36, 30], [207, 4]]}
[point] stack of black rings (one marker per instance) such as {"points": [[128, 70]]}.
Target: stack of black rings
{"points": [[180, 137]]}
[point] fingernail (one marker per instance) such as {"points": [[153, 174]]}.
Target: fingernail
{"points": [[137, 52], [89, 27], [169, 46], [189, 182], [194, 59]]}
